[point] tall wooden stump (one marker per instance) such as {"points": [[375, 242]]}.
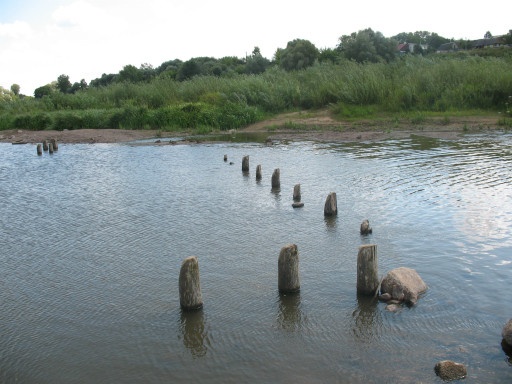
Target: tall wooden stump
{"points": [[331, 206], [296, 193], [50, 148], [245, 164], [45, 145], [288, 269], [190, 287], [367, 270], [55, 144], [39, 149], [258, 172], [276, 179], [225, 157]]}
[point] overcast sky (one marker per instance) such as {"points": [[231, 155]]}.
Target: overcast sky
{"points": [[42, 39]]}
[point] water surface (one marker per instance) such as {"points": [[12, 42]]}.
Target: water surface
{"points": [[93, 238]]}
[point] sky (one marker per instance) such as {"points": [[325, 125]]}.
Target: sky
{"points": [[42, 39]]}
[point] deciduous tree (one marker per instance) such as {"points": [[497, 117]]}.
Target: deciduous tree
{"points": [[15, 88], [63, 84], [298, 54]]}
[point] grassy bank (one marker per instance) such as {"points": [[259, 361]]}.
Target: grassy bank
{"points": [[409, 85]]}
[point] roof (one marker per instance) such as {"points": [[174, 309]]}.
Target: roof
{"points": [[447, 47], [492, 41]]}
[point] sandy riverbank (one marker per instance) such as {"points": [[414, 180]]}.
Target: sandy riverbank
{"points": [[297, 125]]}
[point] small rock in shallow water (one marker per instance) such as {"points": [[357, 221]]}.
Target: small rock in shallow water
{"points": [[385, 297], [393, 308], [298, 204], [449, 370], [393, 302]]}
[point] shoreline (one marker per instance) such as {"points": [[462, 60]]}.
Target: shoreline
{"points": [[288, 126]]}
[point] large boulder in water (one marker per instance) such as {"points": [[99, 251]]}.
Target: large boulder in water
{"points": [[507, 333], [403, 284]]}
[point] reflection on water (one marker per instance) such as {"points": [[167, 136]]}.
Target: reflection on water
{"points": [[366, 319], [508, 351], [192, 328], [330, 221], [290, 316]]}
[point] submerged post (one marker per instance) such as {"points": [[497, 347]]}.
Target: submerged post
{"points": [[365, 228], [276, 179], [331, 205], [190, 287], [55, 144], [245, 164], [367, 270], [45, 145], [288, 269], [39, 149], [258, 172], [296, 192]]}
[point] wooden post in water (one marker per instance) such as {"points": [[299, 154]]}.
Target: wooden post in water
{"points": [[367, 270], [50, 148], [225, 157], [55, 145], [331, 205], [45, 145], [39, 149], [296, 192], [288, 269], [190, 286], [276, 179], [245, 164], [365, 228], [258, 172]]}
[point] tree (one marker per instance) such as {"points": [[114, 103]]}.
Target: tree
{"points": [[508, 37], [81, 86], [488, 35], [328, 55], [298, 54], [131, 74], [188, 70], [45, 90], [63, 84], [15, 88], [367, 46], [256, 63]]}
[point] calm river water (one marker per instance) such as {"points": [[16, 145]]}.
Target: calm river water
{"points": [[93, 238]]}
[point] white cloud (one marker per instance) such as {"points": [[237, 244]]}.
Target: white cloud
{"points": [[18, 29]]}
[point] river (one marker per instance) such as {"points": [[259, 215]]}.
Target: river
{"points": [[93, 237]]}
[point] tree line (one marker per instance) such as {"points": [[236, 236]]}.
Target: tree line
{"points": [[362, 46]]}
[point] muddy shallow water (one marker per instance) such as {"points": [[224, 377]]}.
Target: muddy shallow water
{"points": [[94, 235]]}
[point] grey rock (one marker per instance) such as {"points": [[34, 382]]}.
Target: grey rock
{"points": [[385, 297], [297, 204], [403, 284], [449, 370], [393, 308]]}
